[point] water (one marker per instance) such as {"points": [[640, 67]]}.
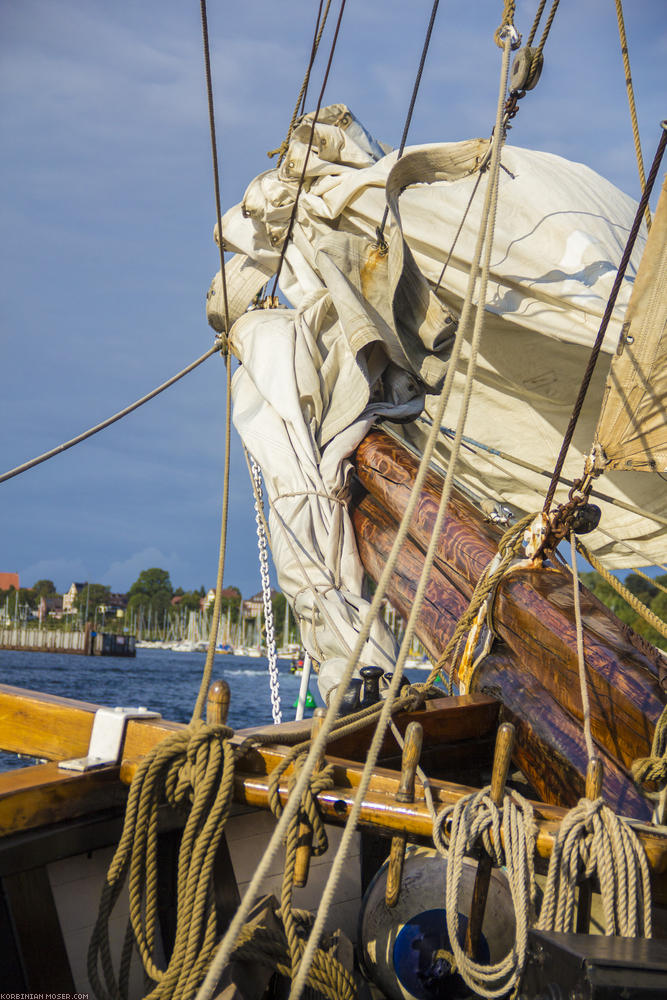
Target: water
{"points": [[160, 679]]}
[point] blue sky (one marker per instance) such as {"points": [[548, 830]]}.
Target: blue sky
{"points": [[107, 217]]}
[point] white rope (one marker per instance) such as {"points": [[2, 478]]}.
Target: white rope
{"points": [[476, 817], [266, 593]]}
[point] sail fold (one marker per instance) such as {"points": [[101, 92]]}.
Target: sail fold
{"points": [[632, 432]]}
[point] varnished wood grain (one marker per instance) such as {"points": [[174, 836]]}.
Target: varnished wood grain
{"points": [[534, 609], [550, 747]]}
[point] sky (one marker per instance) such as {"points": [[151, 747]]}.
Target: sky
{"points": [[107, 217]]}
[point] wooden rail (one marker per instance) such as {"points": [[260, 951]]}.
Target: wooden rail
{"points": [[41, 795]]}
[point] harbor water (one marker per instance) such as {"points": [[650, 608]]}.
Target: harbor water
{"points": [[159, 679]]}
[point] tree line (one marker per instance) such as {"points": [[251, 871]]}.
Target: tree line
{"points": [[152, 592]]}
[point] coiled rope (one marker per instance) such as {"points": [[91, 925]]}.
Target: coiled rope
{"points": [[508, 835], [592, 840], [194, 769]]}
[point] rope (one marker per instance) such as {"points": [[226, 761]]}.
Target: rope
{"points": [[111, 420], [411, 107], [650, 579], [547, 27], [509, 8], [631, 103], [476, 818], [318, 745], [583, 683], [301, 99], [195, 769], [207, 673], [653, 767], [471, 444], [292, 219], [214, 156], [593, 840], [611, 302], [484, 242], [509, 547], [649, 616]]}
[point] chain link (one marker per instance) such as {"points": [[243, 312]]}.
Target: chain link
{"points": [[266, 593]]}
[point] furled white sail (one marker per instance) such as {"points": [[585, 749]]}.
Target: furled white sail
{"points": [[369, 333], [632, 432]]}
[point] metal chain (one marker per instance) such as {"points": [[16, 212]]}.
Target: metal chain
{"points": [[266, 593]]}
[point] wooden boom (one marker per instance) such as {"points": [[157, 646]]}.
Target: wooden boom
{"points": [[534, 669]]}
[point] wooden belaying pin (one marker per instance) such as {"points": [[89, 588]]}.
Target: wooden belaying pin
{"points": [[412, 748], [594, 775], [305, 838], [502, 759], [217, 703]]}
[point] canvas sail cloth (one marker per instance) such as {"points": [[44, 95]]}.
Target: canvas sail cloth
{"points": [[368, 335], [632, 432]]}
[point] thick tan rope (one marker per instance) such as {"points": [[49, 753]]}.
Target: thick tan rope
{"points": [[631, 103], [649, 616], [193, 768], [650, 579], [509, 547], [654, 767]]}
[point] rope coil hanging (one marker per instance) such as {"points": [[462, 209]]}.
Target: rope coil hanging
{"points": [[508, 835]]}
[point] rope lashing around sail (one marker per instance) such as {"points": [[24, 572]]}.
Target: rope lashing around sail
{"points": [[510, 547], [638, 606], [508, 835], [592, 840], [192, 769]]}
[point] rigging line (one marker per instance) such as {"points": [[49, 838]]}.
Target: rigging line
{"points": [[317, 38], [547, 28], [459, 230], [480, 267], [302, 178], [523, 464], [110, 420], [317, 746], [411, 108], [631, 102], [583, 680], [301, 99], [207, 673], [611, 302], [536, 22], [214, 154]]}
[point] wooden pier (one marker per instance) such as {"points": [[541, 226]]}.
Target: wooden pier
{"points": [[81, 642]]}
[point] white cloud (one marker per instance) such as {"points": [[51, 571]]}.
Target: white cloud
{"points": [[61, 571]]}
